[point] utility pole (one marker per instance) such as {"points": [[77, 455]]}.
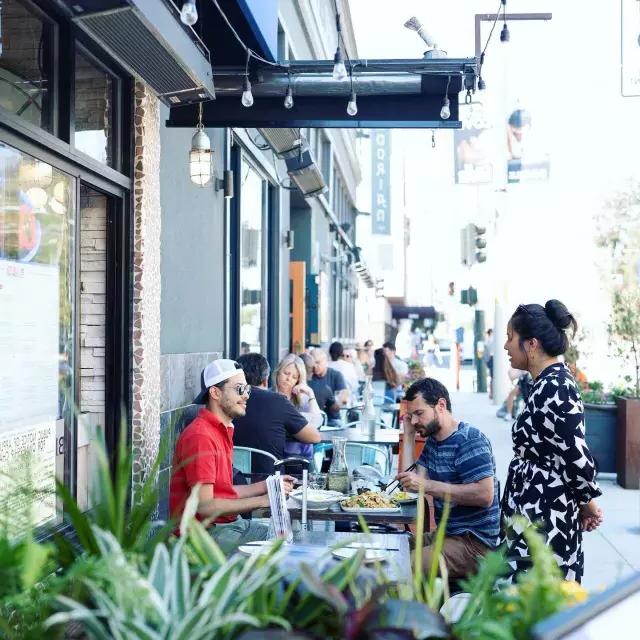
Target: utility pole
{"points": [[478, 351]]}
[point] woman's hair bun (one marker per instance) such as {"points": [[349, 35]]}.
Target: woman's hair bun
{"points": [[559, 315]]}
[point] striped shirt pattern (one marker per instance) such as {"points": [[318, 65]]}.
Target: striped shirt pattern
{"points": [[464, 457]]}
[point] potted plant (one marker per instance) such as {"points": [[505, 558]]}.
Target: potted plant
{"points": [[625, 335], [601, 425]]}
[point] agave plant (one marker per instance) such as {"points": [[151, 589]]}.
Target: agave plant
{"points": [[129, 518], [168, 602]]}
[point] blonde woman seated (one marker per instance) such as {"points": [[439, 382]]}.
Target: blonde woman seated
{"points": [[290, 379]]}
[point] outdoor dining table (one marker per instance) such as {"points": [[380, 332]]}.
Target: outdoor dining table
{"points": [[395, 547]]}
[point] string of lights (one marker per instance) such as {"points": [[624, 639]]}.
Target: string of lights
{"points": [[505, 30]]}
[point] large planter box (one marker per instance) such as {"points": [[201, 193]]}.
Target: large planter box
{"points": [[628, 458], [601, 425]]}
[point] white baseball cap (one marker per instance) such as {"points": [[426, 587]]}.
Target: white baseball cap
{"points": [[215, 372]]}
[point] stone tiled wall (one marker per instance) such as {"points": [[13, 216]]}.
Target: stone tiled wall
{"points": [[146, 391], [179, 385]]}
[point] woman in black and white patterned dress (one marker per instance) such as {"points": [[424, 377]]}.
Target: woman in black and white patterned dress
{"points": [[551, 480]]}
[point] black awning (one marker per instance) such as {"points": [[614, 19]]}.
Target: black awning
{"points": [[400, 312]]}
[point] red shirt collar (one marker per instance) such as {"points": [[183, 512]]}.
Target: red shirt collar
{"points": [[214, 421]]}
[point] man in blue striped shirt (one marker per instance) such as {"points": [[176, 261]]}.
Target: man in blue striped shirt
{"points": [[459, 464]]}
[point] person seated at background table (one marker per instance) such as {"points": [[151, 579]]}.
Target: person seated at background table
{"points": [[290, 380], [324, 377], [459, 463], [383, 371], [204, 455], [341, 361], [269, 419], [401, 367]]}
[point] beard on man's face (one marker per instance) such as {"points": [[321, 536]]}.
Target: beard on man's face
{"points": [[429, 429], [234, 408]]}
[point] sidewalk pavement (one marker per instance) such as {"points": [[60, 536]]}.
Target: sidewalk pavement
{"points": [[612, 552]]}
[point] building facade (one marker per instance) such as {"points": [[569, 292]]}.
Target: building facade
{"points": [[120, 278]]}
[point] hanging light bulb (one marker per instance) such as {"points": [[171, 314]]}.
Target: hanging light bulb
{"points": [[189, 13], [339, 70], [288, 99], [247, 96], [504, 34], [445, 112], [200, 154], [352, 106]]}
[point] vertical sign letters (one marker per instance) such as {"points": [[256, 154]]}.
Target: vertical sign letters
{"points": [[380, 176]]}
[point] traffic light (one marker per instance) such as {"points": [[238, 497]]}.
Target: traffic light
{"points": [[472, 243], [469, 296]]}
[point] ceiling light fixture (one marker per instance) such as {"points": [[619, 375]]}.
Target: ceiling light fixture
{"points": [[339, 70], [200, 154], [352, 105], [247, 96], [504, 34], [189, 13], [445, 112], [288, 99]]}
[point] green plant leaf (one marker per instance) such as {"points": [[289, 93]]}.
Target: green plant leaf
{"points": [[34, 560], [417, 617], [180, 581], [159, 572], [140, 630], [323, 590]]}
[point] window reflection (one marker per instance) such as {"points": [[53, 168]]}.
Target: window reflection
{"points": [[251, 260], [25, 52], [93, 110], [36, 323]]}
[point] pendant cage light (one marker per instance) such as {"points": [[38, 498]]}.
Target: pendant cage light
{"points": [[201, 155]]}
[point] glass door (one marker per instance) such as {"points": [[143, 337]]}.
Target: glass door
{"points": [[37, 333]]}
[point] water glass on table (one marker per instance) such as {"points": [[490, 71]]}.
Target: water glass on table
{"points": [[318, 481]]}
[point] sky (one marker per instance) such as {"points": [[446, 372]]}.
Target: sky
{"points": [[567, 73]]}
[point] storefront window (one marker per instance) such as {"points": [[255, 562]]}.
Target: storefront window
{"points": [[25, 55], [251, 260], [36, 330], [93, 110]]}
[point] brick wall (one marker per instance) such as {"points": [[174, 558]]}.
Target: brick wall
{"points": [[21, 32], [93, 257]]}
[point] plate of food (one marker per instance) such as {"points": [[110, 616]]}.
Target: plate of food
{"points": [[317, 499], [404, 497], [370, 555], [370, 502]]}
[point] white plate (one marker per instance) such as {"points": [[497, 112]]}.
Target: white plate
{"points": [[412, 498], [370, 511], [259, 547], [370, 555], [317, 499]]}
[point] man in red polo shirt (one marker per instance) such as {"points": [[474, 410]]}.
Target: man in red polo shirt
{"points": [[204, 454]]}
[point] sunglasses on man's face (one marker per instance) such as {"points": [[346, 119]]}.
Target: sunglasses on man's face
{"points": [[241, 389]]}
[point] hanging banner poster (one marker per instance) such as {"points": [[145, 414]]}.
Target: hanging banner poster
{"points": [[472, 146], [380, 182], [29, 353]]}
